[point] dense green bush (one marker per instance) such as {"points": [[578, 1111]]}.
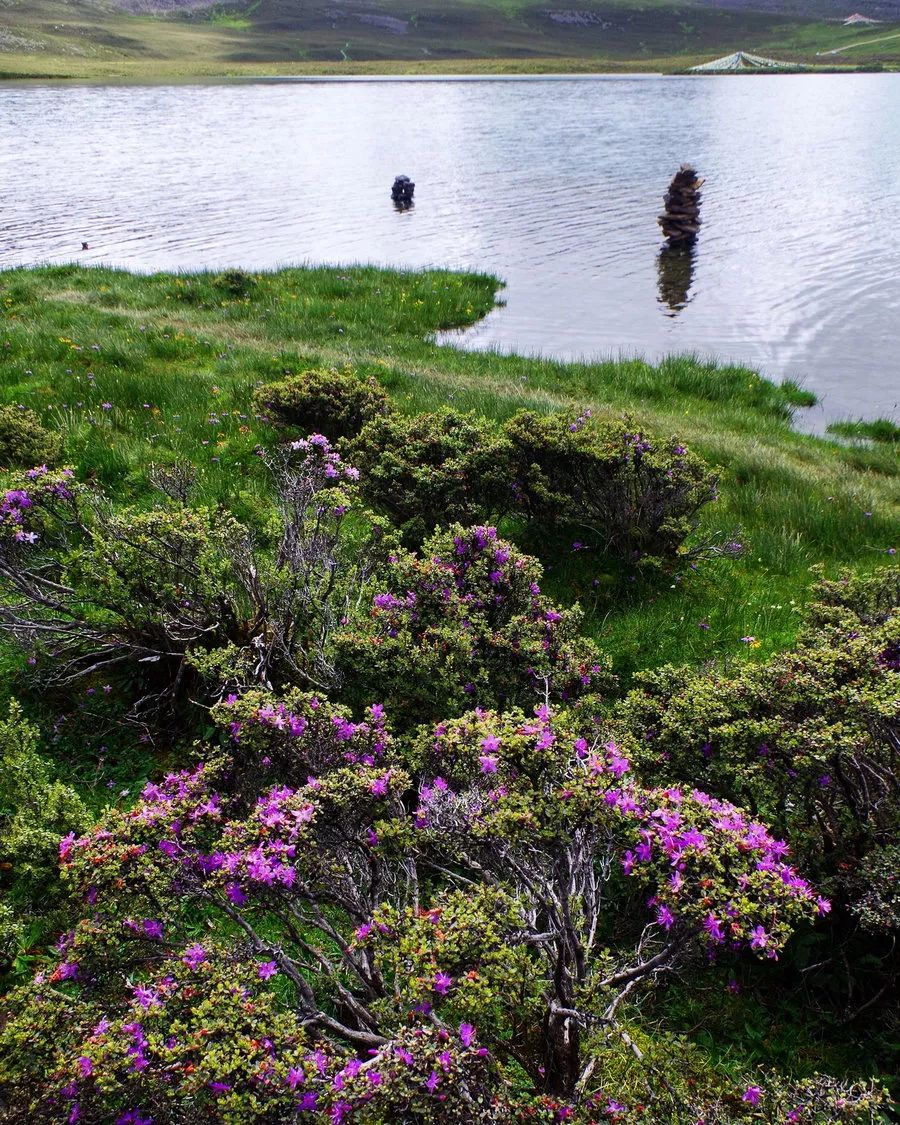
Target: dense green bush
{"points": [[636, 496], [336, 403], [809, 739], [432, 470], [35, 812], [236, 283], [24, 441], [465, 625]]}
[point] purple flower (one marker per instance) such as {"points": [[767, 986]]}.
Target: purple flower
{"points": [[153, 929], [713, 927], [759, 939], [665, 917], [442, 983], [194, 955], [85, 1066], [379, 787], [146, 997], [466, 1034], [752, 1095], [267, 969], [235, 894]]}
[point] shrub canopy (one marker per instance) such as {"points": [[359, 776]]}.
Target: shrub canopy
{"points": [[637, 496], [24, 441], [336, 403]]}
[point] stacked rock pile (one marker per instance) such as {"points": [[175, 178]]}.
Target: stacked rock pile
{"points": [[680, 221], [402, 191]]}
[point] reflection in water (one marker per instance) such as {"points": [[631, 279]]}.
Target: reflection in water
{"points": [[551, 184], [675, 276]]}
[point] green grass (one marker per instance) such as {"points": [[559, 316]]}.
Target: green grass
{"points": [[177, 357], [879, 429], [89, 40]]}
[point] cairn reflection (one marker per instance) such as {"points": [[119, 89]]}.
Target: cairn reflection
{"points": [[675, 276]]}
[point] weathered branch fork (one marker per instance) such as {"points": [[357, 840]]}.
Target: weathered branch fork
{"points": [[680, 221]]}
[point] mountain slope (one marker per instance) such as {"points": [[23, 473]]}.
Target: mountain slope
{"points": [[202, 37]]}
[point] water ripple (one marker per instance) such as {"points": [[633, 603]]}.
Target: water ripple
{"points": [[554, 185]]}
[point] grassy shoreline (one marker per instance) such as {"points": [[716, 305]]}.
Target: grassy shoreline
{"points": [[175, 358], [26, 68]]}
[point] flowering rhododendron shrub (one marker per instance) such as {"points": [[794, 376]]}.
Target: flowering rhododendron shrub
{"points": [[466, 624], [176, 590], [431, 470], [809, 739], [291, 737], [334, 402], [637, 496], [433, 929]]}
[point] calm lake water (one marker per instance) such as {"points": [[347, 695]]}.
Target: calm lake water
{"points": [[554, 184]]}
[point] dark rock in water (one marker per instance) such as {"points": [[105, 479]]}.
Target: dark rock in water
{"points": [[403, 190], [680, 221]]}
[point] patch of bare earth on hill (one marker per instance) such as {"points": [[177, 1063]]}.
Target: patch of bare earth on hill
{"points": [[154, 7], [574, 18], [12, 42]]}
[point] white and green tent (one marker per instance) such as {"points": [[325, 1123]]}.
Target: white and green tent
{"points": [[742, 60]]}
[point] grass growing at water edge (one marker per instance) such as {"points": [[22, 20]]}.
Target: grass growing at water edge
{"points": [[133, 370], [878, 430]]}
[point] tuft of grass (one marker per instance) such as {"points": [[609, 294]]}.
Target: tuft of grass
{"points": [[878, 429]]}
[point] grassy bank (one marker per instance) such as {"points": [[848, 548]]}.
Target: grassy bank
{"points": [[85, 40], [135, 369]]}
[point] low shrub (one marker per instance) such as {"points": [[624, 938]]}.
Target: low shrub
{"points": [[432, 470], [24, 441], [336, 403], [808, 739], [466, 625], [35, 812], [236, 283], [639, 497], [174, 590]]}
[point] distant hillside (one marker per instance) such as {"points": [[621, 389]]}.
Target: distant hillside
{"points": [[884, 10], [198, 36]]}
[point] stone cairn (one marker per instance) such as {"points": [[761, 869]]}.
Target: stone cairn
{"points": [[680, 221], [402, 192]]}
